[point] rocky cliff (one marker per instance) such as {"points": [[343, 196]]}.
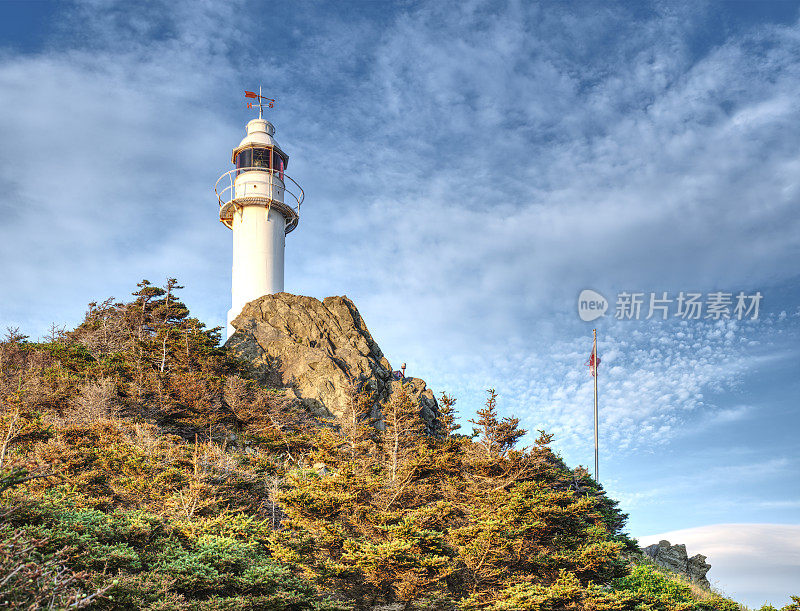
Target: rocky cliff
{"points": [[675, 558], [316, 350]]}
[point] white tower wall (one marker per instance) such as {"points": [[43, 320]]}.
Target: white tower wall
{"points": [[259, 238]]}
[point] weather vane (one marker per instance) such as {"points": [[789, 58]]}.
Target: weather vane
{"points": [[262, 101]]}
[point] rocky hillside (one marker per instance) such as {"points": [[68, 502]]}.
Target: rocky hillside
{"points": [[317, 352], [145, 466]]}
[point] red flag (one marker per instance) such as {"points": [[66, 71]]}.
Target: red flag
{"points": [[250, 94], [593, 362]]}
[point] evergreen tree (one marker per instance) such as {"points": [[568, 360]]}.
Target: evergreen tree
{"points": [[497, 436], [447, 424], [369, 533], [355, 425], [404, 427], [144, 298]]}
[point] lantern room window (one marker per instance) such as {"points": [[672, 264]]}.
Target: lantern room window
{"points": [[261, 158], [264, 159], [244, 159]]}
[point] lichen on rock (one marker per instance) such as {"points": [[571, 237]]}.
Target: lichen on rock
{"points": [[317, 350]]}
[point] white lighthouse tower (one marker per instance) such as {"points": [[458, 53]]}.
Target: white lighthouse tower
{"points": [[256, 203]]}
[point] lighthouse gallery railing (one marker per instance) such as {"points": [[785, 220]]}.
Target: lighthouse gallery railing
{"points": [[226, 192]]}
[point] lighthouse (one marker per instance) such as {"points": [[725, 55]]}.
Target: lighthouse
{"points": [[260, 203]]}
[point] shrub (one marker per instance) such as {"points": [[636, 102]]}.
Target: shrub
{"points": [[31, 580]]}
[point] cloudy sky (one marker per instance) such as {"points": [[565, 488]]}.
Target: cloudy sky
{"points": [[470, 167]]}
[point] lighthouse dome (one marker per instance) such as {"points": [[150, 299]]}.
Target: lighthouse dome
{"points": [[260, 133]]}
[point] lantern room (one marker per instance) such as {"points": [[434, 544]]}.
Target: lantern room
{"points": [[259, 177], [260, 158], [259, 151]]}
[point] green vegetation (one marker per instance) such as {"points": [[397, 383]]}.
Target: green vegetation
{"points": [[142, 466]]}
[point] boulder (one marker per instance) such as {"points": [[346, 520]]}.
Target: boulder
{"points": [[675, 558], [317, 350]]}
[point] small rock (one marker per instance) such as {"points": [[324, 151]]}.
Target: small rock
{"points": [[320, 468]]}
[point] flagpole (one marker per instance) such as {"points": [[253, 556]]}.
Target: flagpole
{"points": [[596, 451]]}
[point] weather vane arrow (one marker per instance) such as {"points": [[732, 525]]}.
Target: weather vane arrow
{"points": [[262, 101]]}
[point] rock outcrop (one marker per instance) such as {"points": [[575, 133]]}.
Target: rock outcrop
{"points": [[675, 558], [316, 350]]}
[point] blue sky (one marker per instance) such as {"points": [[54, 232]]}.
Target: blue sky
{"points": [[470, 167]]}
